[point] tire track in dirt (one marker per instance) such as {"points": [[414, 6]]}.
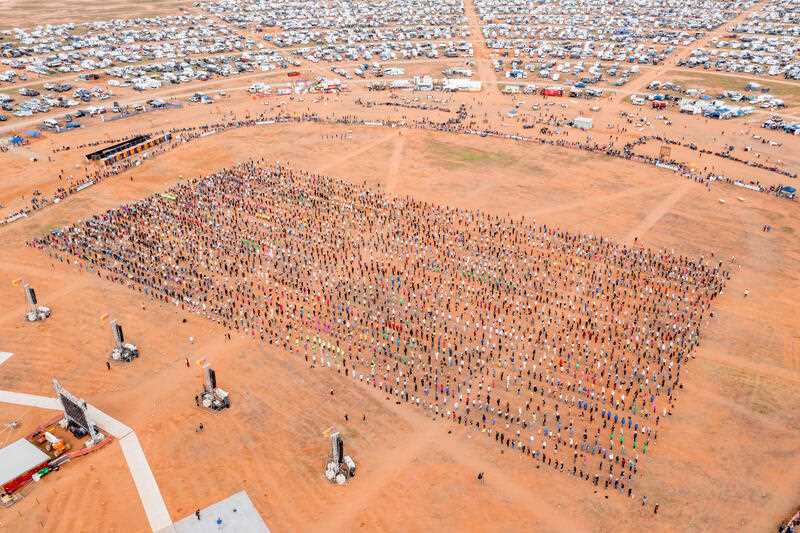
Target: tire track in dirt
{"points": [[658, 213], [355, 153], [755, 368], [394, 164], [595, 200]]}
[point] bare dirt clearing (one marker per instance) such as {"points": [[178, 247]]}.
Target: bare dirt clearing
{"points": [[730, 436]]}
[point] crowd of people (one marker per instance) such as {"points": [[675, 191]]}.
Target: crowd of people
{"points": [[90, 144], [566, 348], [792, 525], [727, 154], [407, 103], [463, 121]]}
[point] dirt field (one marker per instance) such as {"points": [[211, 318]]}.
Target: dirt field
{"points": [[730, 437]]}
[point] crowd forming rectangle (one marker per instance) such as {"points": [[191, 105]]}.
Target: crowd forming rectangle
{"points": [[568, 348]]}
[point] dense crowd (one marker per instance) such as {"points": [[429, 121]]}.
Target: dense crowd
{"points": [[568, 349], [91, 144], [463, 121], [407, 103]]}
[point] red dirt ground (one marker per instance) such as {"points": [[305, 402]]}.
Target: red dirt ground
{"points": [[728, 458]]}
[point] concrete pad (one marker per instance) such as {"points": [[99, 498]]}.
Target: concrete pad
{"points": [[149, 493], [246, 518], [20, 398], [4, 356], [113, 426]]}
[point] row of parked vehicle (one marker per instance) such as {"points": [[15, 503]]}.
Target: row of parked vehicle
{"points": [[766, 43], [774, 17], [65, 48], [630, 31], [771, 56], [338, 16], [776, 122], [155, 75], [53, 98], [342, 30]]}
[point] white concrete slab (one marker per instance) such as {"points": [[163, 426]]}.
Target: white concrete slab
{"points": [[18, 457], [113, 426], [32, 400], [245, 518], [4, 356], [149, 493]]}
